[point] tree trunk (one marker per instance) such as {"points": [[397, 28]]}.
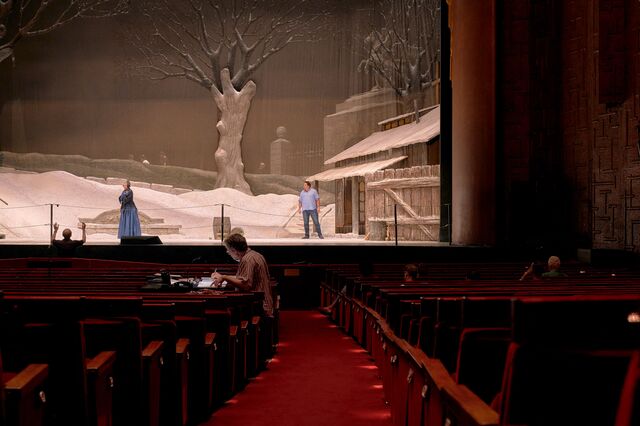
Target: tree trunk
{"points": [[234, 108]]}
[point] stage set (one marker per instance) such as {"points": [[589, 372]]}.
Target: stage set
{"points": [[411, 170], [340, 109], [213, 144]]}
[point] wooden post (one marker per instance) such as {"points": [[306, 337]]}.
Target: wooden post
{"points": [[355, 205], [222, 224], [395, 222], [50, 223]]}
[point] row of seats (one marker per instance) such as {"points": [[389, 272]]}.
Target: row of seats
{"points": [[497, 351], [86, 347]]}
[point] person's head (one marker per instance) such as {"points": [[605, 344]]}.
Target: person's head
{"points": [[307, 185], [66, 234], [126, 184], [237, 230], [553, 263], [236, 246], [281, 132], [410, 272]]}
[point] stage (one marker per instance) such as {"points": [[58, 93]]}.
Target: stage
{"points": [[276, 251]]}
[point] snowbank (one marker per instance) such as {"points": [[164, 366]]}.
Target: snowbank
{"points": [[27, 216]]}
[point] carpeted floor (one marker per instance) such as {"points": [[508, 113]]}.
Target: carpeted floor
{"points": [[320, 376]]}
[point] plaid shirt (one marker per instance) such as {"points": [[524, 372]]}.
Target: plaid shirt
{"points": [[253, 270]]}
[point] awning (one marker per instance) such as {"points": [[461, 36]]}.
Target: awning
{"points": [[357, 170], [408, 134]]}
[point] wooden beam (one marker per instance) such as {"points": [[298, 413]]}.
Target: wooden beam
{"points": [[408, 209], [419, 182], [429, 220]]}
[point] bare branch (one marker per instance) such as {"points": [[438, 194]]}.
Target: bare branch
{"points": [[38, 17], [208, 36], [403, 49], [75, 9]]}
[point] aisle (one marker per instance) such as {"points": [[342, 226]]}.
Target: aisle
{"points": [[320, 376]]}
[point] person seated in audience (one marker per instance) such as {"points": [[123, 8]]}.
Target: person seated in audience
{"points": [[554, 269], [66, 246], [237, 230], [410, 273], [252, 273], [534, 271]]}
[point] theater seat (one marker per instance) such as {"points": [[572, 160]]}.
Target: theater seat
{"points": [[546, 386], [629, 406], [481, 360]]}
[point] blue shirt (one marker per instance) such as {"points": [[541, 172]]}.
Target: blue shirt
{"points": [[308, 199]]}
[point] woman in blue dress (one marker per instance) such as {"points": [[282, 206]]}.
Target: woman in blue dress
{"points": [[129, 222]]}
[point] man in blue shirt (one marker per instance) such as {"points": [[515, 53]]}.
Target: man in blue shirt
{"points": [[309, 203]]}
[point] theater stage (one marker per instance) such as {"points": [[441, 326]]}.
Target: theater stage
{"points": [[281, 251]]}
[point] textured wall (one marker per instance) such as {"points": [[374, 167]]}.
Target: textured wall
{"points": [[568, 101], [600, 138]]}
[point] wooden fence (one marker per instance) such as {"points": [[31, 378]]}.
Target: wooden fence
{"points": [[416, 193]]}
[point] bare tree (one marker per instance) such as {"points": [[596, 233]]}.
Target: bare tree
{"points": [[23, 19], [219, 45], [403, 48]]}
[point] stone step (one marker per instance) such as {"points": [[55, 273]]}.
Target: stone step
{"points": [[150, 229]]}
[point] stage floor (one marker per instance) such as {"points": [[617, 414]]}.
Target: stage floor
{"points": [[281, 251], [294, 242]]}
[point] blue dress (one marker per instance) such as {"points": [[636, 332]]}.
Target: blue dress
{"points": [[129, 222]]}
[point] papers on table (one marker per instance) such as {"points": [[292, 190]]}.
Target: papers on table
{"points": [[205, 282]]}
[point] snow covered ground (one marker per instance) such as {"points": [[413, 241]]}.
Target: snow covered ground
{"points": [[26, 218]]}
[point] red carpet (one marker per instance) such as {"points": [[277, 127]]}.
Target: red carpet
{"points": [[320, 376]]}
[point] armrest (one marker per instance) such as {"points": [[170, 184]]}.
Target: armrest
{"points": [[466, 406], [28, 379], [182, 355], [209, 339], [152, 366], [25, 397], [153, 349], [182, 346], [101, 362], [100, 385]]}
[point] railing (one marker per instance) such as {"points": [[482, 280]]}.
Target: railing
{"points": [[208, 221]]}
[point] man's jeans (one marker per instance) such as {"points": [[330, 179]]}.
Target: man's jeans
{"points": [[316, 223]]}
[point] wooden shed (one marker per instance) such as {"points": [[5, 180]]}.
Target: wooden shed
{"points": [[398, 165]]}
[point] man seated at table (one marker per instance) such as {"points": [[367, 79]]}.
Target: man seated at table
{"points": [[253, 271]]}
